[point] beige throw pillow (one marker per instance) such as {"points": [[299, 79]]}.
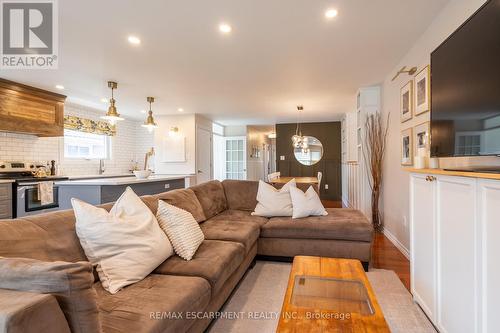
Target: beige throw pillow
{"points": [[125, 244], [273, 202], [181, 228], [70, 283], [306, 204]]}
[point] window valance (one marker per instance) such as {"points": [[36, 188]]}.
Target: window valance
{"points": [[89, 126]]}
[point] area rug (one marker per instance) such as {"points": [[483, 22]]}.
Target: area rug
{"points": [[256, 304]]}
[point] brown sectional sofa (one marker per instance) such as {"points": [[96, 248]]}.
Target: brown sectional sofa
{"points": [[233, 238]]}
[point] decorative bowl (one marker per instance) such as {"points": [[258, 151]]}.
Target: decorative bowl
{"points": [[142, 174]]}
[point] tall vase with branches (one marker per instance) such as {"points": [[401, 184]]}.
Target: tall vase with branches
{"points": [[375, 143]]}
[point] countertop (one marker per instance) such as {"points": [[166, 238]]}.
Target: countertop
{"points": [[119, 180], [100, 176], [484, 175], [6, 181]]}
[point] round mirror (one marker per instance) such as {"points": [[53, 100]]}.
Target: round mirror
{"points": [[311, 151]]}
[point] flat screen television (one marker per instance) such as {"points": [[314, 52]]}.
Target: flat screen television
{"points": [[465, 88]]}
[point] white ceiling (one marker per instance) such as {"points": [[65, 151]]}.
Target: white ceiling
{"points": [[280, 53]]}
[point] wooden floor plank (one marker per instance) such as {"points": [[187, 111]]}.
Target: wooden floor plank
{"points": [[384, 254]]}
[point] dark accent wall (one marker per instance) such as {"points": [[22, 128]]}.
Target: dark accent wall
{"points": [[329, 135]]}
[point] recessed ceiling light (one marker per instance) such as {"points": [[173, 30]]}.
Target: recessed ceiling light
{"points": [[225, 28], [180, 109], [134, 40], [104, 100], [143, 111], [331, 13], [60, 87]]}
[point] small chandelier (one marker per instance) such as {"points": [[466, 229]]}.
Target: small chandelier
{"points": [[150, 121], [112, 116], [298, 141]]}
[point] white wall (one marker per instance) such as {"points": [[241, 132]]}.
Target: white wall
{"points": [[396, 183], [235, 130], [187, 128], [129, 145]]}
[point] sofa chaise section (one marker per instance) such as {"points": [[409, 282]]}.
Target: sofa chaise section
{"points": [[343, 233]]}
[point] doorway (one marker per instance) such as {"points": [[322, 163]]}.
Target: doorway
{"points": [[203, 155], [236, 157]]}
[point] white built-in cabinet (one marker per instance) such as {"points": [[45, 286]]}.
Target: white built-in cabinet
{"points": [[455, 251], [356, 191]]}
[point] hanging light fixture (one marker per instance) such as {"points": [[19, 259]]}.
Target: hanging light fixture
{"points": [[150, 121], [112, 116], [298, 139]]}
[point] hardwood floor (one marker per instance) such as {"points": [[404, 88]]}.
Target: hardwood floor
{"points": [[384, 254]]}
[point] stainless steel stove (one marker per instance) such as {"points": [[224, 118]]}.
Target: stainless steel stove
{"points": [[25, 198]]}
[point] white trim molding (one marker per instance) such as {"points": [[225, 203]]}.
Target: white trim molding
{"points": [[397, 243]]}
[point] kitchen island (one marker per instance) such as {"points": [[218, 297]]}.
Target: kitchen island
{"points": [[102, 190]]}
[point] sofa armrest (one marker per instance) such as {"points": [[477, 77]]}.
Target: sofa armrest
{"points": [[26, 312]]}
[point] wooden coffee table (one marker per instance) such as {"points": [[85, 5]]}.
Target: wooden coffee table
{"points": [[329, 295]]}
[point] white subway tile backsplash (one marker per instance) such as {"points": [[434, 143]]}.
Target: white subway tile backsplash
{"points": [[128, 147]]}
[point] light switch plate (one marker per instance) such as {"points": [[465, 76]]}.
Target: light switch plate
{"points": [[282, 157]]}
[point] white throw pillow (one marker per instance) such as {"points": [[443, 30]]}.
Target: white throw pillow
{"points": [[273, 202], [181, 228], [306, 204], [126, 244]]}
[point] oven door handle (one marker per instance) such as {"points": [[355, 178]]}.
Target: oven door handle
{"points": [[28, 184]]}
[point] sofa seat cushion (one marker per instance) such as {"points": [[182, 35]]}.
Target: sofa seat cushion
{"points": [[339, 224], [142, 307], [240, 216], [233, 231], [214, 261]]}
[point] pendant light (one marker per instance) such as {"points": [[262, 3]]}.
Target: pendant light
{"points": [[298, 139], [112, 116], [150, 121]]}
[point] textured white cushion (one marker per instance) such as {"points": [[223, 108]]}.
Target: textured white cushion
{"points": [[181, 228], [126, 244], [272, 202], [306, 204]]}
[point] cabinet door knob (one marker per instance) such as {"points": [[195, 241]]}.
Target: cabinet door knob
{"points": [[427, 178]]}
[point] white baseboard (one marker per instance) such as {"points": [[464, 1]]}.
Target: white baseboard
{"points": [[397, 243]]}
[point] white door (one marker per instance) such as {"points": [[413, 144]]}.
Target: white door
{"points": [[423, 240], [457, 267], [236, 157], [489, 211], [203, 155]]}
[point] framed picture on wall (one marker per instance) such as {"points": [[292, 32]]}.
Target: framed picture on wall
{"points": [[406, 102], [422, 91], [407, 147], [421, 136]]}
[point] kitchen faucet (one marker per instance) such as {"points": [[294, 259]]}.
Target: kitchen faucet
{"points": [[101, 167], [149, 154]]}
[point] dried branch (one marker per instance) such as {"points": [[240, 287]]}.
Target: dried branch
{"points": [[375, 145]]}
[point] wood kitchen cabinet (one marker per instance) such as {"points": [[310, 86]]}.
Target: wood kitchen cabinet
{"points": [[5, 201], [30, 110]]}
